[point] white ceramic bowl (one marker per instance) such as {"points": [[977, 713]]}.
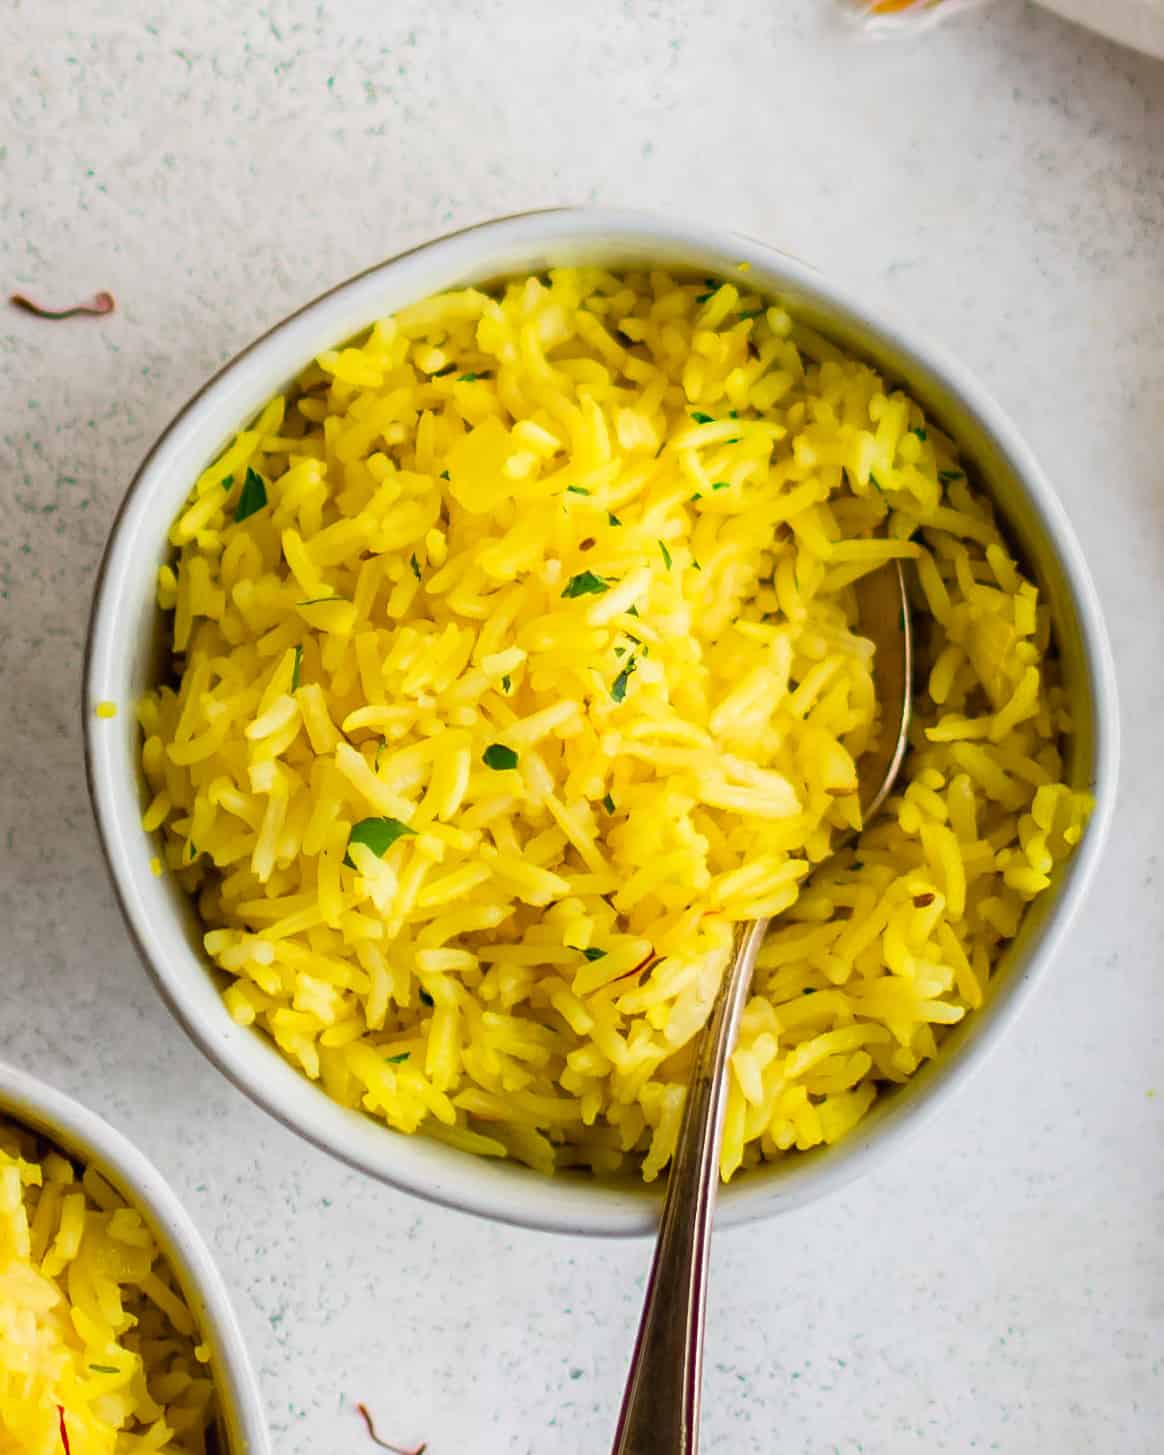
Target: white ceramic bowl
{"points": [[82, 1135], [124, 645]]}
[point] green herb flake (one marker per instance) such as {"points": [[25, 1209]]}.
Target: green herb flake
{"points": [[296, 668], [722, 485], [703, 297], [380, 747], [498, 757], [856, 866], [425, 997], [104, 1369], [632, 611], [921, 434], [415, 564], [945, 476], [253, 496], [700, 418], [696, 496], [620, 651], [377, 834], [576, 490], [592, 954], [612, 519], [404, 1055], [444, 474], [618, 686], [752, 313], [809, 990], [506, 684], [608, 803], [586, 583], [666, 554], [468, 378], [227, 482], [696, 564], [733, 414]]}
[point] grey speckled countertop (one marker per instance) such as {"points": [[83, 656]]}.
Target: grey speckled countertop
{"points": [[1000, 1285]]}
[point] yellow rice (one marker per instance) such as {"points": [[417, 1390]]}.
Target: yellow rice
{"points": [[96, 1341], [602, 528]]}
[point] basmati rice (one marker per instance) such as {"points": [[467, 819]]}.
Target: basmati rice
{"points": [[96, 1342], [517, 664]]}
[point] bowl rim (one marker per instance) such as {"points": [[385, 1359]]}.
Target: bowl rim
{"points": [[82, 1134], [539, 1203]]}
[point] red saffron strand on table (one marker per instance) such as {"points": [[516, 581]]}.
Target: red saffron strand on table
{"points": [[383, 1444], [96, 307], [64, 1429]]}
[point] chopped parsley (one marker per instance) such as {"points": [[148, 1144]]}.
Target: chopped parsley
{"points": [[697, 496], [295, 668], [809, 990], [703, 297], [104, 1369], [377, 834], [696, 564], [576, 490], [444, 474], [632, 610], [498, 757], [415, 564], [612, 519], [404, 1055], [253, 496], [593, 953], [921, 434], [620, 651], [227, 482], [586, 583], [752, 313], [440, 373], [722, 485], [608, 803], [666, 554], [945, 476], [425, 997], [506, 683], [618, 686], [700, 418], [468, 378]]}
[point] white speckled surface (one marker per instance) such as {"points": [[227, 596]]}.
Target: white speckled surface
{"points": [[1001, 181]]}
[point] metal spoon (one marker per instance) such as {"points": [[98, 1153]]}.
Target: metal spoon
{"points": [[660, 1407]]}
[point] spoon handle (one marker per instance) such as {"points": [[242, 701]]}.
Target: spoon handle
{"points": [[660, 1408]]}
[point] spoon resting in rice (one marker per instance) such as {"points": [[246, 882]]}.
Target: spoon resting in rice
{"points": [[660, 1409]]}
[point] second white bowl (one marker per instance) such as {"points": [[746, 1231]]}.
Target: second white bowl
{"points": [[82, 1135]]}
